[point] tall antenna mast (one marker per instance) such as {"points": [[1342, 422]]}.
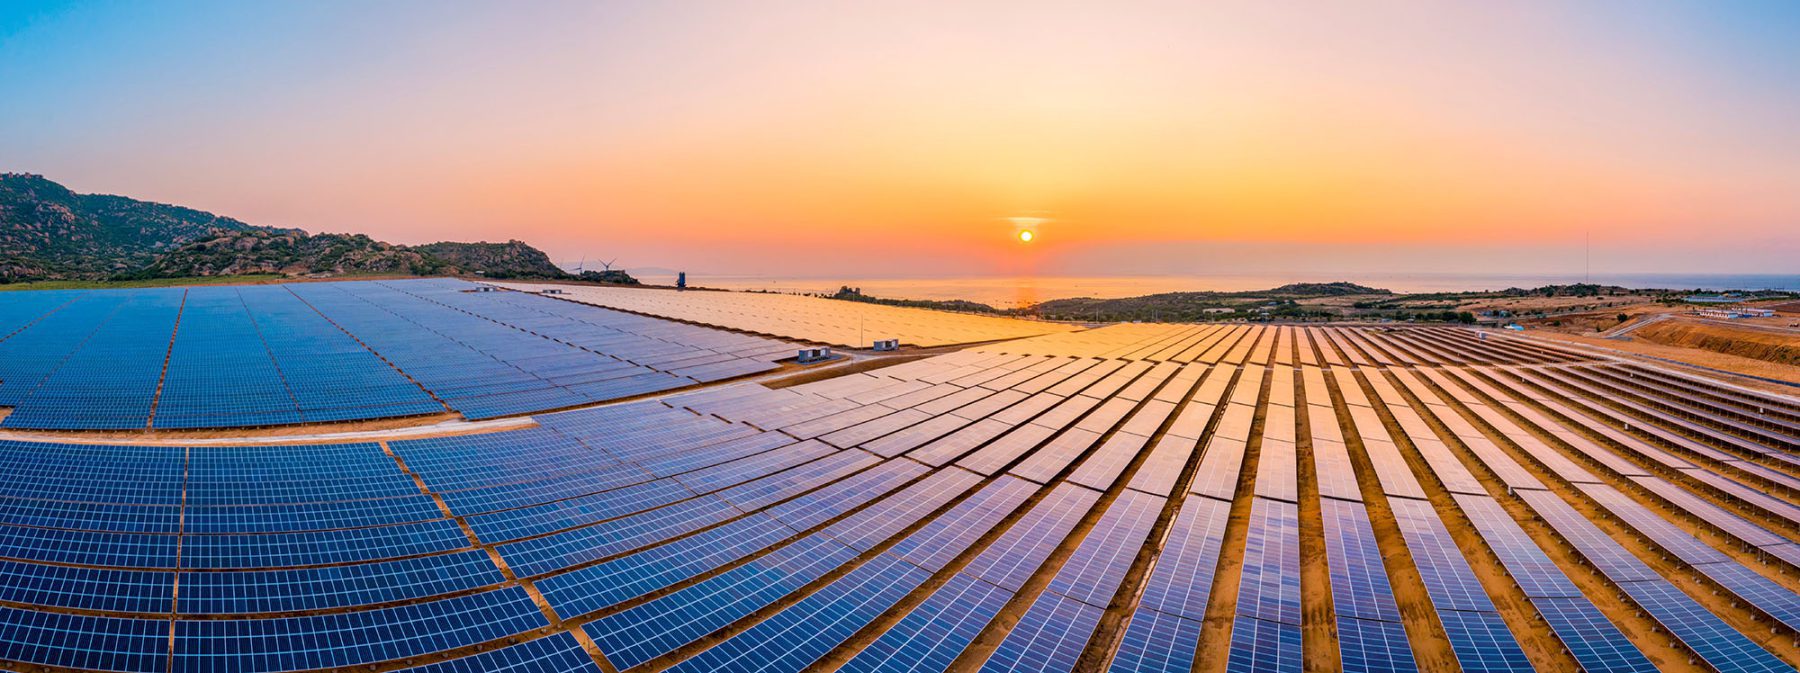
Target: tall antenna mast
{"points": [[1587, 256]]}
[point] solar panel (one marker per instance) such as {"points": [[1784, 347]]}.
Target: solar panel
{"points": [[280, 550], [537, 556], [1155, 642], [1269, 589], [652, 629], [932, 635], [1530, 568], [1181, 581], [941, 539], [254, 591], [1012, 558], [1482, 642], [1446, 574], [1715, 641], [82, 642], [1259, 646], [587, 590], [869, 527], [796, 637], [1093, 573], [1359, 582], [369, 636], [1590, 638], [138, 591], [557, 653], [1049, 637], [1373, 646]]}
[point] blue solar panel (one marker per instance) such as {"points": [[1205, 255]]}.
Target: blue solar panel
{"points": [[789, 483], [550, 517], [92, 473], [798, 636], [1373, 646], [139, 591], [82, 642], [558, 653], [1359, 581], [116, 550], [310, 516], [1533, 571], [869, 527], [1156, 642], [935, 632], [1446, 574], [1012, 558], [1763, 593], [1270, 587], [760, 465], [1093, 573], [1710, 637], [537, 556], [1181, 581], [1482, 642], [280, 550], [830, 501], [1591, 639], [655, 628], [1050, 637], [352, 638], [1259, 646], [254, 591], [90, 516], [590, 589]]}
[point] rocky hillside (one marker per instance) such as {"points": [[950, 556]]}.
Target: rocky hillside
{"points": [[289, 253], [300, 254], [512, 259], [50, 232]]}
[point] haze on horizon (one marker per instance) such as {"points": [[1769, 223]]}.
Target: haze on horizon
{"points": [[907, 138]]}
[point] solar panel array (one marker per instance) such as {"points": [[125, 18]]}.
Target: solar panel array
{"points": [[806, 318], [1130, 498], [264, 355]]}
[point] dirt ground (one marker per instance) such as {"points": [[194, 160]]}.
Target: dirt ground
{"points": [[1756, 343]]}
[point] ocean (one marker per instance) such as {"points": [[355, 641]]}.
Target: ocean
{"points": [[1007, 292]]}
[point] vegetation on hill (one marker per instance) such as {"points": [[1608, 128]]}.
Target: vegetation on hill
{"points": [[512, 259], [296, 254], [613, 276], [48, 232], [848, 293], [1279, 303]]}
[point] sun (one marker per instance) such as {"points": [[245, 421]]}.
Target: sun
{"points": [[1026, 236]]}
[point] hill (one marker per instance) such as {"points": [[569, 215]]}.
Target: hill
{"points": [[512, 259], [48, 232], [293, 253], [1280, 302]]}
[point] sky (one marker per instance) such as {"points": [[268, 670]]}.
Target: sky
{"points": [[804, 138]]}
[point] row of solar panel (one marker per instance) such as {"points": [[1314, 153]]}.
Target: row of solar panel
{"points": [[862, 476], [314, 352]]}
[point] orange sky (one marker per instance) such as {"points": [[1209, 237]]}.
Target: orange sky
{"points": [[900, 138]]}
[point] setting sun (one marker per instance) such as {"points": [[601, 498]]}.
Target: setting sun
{"points": [[1025, 236]]}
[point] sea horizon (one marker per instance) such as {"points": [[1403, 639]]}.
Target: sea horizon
{"points": [[1014, 291]]}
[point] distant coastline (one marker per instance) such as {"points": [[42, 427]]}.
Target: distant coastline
{"points": [[1013, 292]]}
